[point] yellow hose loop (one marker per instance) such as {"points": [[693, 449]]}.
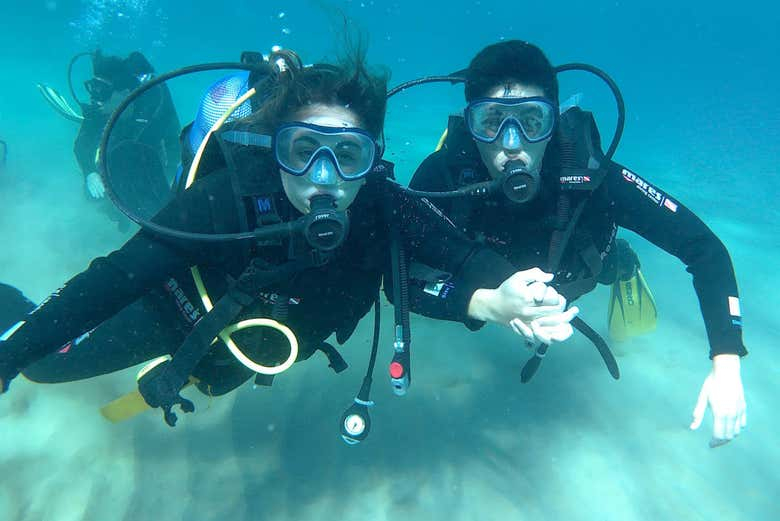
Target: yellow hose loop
{"points": [[255, 322], [204, 296], [249, 363], [221, 121], [151, 365], [442, 139]]}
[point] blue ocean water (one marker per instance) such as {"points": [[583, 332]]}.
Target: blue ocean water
{"points": [[469, 442]]}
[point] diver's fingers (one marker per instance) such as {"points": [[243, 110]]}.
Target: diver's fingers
{"points": [[730, 426], [561, 332], [519, 327], [737, 424], [542, 294], [720, 430], [555, 319], [701, 405], [526, 277], [534, 312], [719, 427], [541, 333], [170, 417], [186, 405]]}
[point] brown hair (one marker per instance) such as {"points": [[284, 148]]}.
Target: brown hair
{"points": [[348, 84]]}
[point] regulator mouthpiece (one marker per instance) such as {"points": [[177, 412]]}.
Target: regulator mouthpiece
{"points": [[325, 227], [519, 184]]}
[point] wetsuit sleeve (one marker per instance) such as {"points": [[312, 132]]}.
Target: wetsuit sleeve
{"points": [[110, 283], [661, 219], [13, 306], [87, 142], [438, 250], [433, 240]]}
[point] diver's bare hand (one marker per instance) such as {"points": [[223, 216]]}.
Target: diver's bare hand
{"points": [[525, 296], [95, 186], [723, 392]]}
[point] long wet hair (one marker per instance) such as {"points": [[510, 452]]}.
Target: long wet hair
{"points": [[348, 83]]}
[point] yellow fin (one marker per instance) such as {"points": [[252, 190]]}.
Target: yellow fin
{"points": [[124, 407], [632, 309]]}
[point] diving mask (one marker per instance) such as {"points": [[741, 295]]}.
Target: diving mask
{"points": [[99, 90], [325, 153], [491, 118]]}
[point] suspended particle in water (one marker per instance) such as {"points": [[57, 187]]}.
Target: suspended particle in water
{"points": [[280, 15], [286, 30]]}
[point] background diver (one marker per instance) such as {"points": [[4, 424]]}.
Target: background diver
{"points": [[148, 132]]}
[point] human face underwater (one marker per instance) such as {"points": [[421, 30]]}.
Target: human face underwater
{"points": [[323, 151], [514, 143]]}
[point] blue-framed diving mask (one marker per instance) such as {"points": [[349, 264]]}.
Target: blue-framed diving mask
{"points": [[508, 118], [325, 154]]}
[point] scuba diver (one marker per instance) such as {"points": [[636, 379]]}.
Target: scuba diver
{"points": [[516, 174], [151, 129], [288, 214]]}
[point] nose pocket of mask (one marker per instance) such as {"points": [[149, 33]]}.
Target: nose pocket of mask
{"points": [[323, 171], [511, 137]]}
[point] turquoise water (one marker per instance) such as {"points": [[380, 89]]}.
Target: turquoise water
{"points": [[469, 441]]}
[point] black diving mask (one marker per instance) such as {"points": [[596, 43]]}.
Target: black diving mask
{"points": [[99, 89]]}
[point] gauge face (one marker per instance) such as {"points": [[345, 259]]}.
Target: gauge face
{"points": [[354, 424]]}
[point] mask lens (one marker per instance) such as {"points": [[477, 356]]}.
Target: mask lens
{"points": [[298, 145], [486, 118], [98, 89]]}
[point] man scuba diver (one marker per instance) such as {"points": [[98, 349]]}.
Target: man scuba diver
{"points": [[288, 215], [151, 128], [534, 185]]}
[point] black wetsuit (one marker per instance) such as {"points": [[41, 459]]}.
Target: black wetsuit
{"points": [[522, 235], [142, 300], [152, 126], [13, 306]]}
